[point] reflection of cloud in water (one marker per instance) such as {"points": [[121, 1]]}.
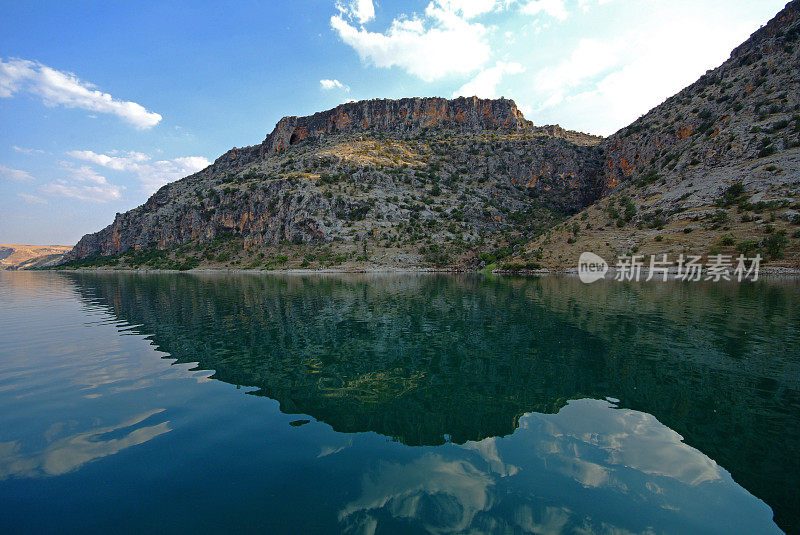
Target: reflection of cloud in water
{"points": [[623, 439], [618, 456], [548, 520], [334, 449], [451, 497], [487, 448], [443, 495], [70, 453]]}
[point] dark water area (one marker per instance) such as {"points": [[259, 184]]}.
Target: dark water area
{"points": [[397, 404]]}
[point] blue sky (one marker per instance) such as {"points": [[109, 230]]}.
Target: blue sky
{"points": [[103, 102]]}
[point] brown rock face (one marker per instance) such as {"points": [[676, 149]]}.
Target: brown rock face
{"points": [[406, 114]]}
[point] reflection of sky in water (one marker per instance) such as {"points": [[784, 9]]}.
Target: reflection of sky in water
{"points": [[69, 453], [617, 456], [93, 417]]}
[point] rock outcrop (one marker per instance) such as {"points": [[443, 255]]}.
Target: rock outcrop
{"points": [[404, 115]]}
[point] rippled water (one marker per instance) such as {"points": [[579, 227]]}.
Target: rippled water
{"points": [[397, 404]]}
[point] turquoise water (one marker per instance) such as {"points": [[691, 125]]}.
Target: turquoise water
{"points": [[396, 404]]}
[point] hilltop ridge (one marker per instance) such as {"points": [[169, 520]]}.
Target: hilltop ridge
{"points": [[406, 115], [16, 256]]}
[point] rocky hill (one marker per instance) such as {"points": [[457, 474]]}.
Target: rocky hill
{"points": [[411, 182], [466, 183]]}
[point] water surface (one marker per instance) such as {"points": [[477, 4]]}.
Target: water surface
{"points": [[397, 404]]}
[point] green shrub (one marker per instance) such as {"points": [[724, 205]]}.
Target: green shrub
{"points": [[731, 194], [747, 248], [775, 244], [767, 151]]}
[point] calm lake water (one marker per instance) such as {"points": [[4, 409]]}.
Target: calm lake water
{"points": [[397, 404]]}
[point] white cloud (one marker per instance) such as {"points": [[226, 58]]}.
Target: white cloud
{"points": [[158, 173], [17, 175], [589, 59], [24, 150], [605, 86], [327, 85], [360, 10], [469, 8], [585, 5], [84, 184], [485, 83], [152, 174], [553, 8], [58, 88], [32, 199], [441, 43], [126, 161]]}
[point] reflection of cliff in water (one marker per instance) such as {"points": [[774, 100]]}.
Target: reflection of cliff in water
{"points": [[422, 359], [415, 358]]}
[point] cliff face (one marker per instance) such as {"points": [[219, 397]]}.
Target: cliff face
{"points": [[408, 114], [404, 116]]}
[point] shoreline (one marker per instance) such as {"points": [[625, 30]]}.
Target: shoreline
{"points": [[772, 272]]}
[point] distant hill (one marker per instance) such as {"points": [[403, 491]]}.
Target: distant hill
{"points": [[470, 183], [14, 256]]}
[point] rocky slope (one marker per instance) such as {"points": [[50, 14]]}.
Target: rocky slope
{"points": [[466, 183], [714, 169], [14, 257]]}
